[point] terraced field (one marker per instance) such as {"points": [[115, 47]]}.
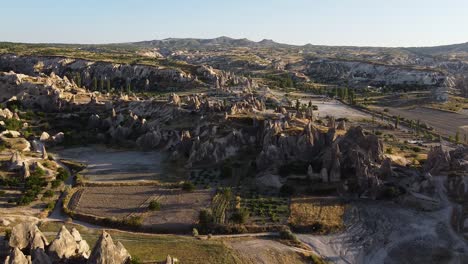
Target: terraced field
{"points": [[179, 209]]}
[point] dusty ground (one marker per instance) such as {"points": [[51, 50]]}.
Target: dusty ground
{"points": [[325, 107], [179, 209], [384, 232], [106, 164], [264, 251]]}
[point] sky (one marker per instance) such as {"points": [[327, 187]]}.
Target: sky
{"points": [[392, 23]]}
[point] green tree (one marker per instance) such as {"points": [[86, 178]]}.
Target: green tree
{"points": [[102, 85], [397, 121], [457, 137], [95, 87], [298, 105], [108, 85]]}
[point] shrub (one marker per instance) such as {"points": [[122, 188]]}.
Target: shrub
{"points": [[195, 232], [205, 217], [287, 234], [55, 184], [135, 260], [2, 192], [63, 174], [240, 216], [154, 206], [50, 206], [416, 149], [48, 194], [133, 221], [38, 172], [188, 186], [317, 260]]}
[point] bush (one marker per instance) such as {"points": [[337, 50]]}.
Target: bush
{"points": [[154, 206], [287, 234], [416, 149], [133, 221], [135, 260], [188, 186], [55, 184], [317, 260], [63, 174], [48, 194], [240, 216], [195, 232], [205, 217], [50, 206]]}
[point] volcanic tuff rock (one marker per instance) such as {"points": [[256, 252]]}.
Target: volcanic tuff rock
{"points": [[17, 257], [67, 246], [105, 251], [27, 236], [437, 160], [64, 246]]}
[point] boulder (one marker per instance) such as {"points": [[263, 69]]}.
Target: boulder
{"points": [[44, 137]]}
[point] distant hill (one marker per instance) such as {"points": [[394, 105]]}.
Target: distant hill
{"points": [[440, 50], [215, 42]]}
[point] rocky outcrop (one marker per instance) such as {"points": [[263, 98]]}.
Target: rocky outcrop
{"points": [[119, 75], [365, 73], [437, 160], [27, 236], [105, 251], [64, 246], [40, 257], [17, 257], [67, 247], [48, 93]]}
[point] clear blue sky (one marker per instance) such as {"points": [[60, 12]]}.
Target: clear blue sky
{"points": [[328, 22]]}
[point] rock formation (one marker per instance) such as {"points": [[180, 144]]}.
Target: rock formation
{"points": [[105, 251], [66, 247], [17, 257]]}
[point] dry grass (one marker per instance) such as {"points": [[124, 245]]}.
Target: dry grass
{"points": [[155, 248], [317, 215]]}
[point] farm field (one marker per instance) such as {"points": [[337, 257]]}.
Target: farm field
{"points": [[322, 215], [444, 122], [178, 209]]}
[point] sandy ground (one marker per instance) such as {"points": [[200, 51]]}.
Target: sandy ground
{"points": [[384, 232], [116, 165], [264, 251], [326, 107]]}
